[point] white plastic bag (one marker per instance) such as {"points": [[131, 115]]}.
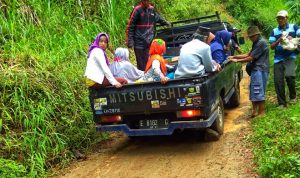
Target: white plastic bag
{"points": [[289, 44]]}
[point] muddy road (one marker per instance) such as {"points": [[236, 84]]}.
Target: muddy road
{"points": [[180, 155]]}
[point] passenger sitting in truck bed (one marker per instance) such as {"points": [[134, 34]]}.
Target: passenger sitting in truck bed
{"points": [[156, 67], [121, 67], [195, 56], [97, 72], [220, 45]]}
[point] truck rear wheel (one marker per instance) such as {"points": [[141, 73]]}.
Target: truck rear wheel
{"points": [[234, 100], [218, 124], [214, 132]]}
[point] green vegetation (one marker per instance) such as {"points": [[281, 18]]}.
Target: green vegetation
{"points": [[45, 111], [277, 142], [44, 107]]}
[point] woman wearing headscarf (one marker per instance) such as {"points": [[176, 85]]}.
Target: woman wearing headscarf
{"points": [[97, 73], [156, 69], [121, 67], [219, 46]]}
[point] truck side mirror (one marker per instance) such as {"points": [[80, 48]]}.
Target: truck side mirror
{"points": [[241, 40]]}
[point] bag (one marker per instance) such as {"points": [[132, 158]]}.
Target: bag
{"points": [[249, 68]]}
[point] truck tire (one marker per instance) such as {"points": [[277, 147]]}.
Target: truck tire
{"points": [[218, 124], [234, 100]]}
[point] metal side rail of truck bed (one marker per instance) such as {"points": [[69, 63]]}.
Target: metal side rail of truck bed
{"points": [[181, 31]]}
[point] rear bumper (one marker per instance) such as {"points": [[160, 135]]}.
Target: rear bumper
{"points": [[164, 131]]}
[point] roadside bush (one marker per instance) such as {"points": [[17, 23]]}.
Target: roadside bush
{"points": [[277, 142], [11, 169], [261, 13]]}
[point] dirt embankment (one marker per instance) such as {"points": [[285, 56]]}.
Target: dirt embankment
{"points": [[181, 155]]}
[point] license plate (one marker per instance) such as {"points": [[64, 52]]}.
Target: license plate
{"points": [[153, 123]]}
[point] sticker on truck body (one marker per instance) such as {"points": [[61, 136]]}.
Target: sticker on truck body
{"points": [[155, 104], [162, 103], [192, 91], [99, 102], [181, 101]]}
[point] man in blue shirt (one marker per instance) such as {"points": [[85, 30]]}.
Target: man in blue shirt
{"points": [[284, 60], [259, 58]]}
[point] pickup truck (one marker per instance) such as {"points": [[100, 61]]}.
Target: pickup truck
{"points": [[152, 108]]}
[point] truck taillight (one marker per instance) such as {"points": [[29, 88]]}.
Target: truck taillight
{"points": [[115, 118], [188, 113]]}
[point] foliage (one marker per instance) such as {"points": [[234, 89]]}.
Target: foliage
{"points": [[11, 169], [264, 16], [277, 142], [45, 112], [294, 8]]}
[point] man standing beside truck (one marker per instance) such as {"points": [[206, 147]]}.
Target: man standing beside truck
{"points": [[284, 60], [259, 58], [140, 31]]}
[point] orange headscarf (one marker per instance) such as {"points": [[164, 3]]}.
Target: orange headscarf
{"points": [[157, 48]]}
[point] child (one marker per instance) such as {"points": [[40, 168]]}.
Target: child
{"points": [[156, 67]]}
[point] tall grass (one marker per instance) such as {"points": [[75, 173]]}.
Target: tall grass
{"points": [[44, 105], [277, 142], [261, 13]]}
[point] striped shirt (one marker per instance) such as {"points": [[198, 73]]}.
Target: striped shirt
{"points": [[280, 53]]}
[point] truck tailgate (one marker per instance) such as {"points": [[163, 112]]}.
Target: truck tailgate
{"points": [[149, 98]]}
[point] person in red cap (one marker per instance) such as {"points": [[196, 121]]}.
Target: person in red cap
{"points": [[284, 60]]}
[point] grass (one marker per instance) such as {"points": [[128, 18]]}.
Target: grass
{"points": [[45, 112], [277, 142]]}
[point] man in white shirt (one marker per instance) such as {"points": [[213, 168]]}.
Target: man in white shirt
{"points": [[195, 56]]}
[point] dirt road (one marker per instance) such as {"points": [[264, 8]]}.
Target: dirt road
{"points": [[181, 155]]}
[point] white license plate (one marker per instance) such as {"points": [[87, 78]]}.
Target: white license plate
{"points": [[153, 123]]}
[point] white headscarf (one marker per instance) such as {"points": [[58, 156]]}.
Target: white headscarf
{"points": [[121, 54], [121, 67]]}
